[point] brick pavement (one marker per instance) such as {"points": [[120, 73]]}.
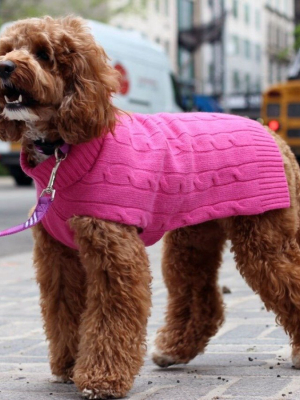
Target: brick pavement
{"points": [[248, 359]]}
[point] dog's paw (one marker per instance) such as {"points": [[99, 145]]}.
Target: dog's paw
{"points": [[296, 357], [61, 379], [95, 384], [91, 394], [101, 394], [161, 359]]}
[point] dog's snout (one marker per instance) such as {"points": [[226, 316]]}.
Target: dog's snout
{"points": [[6, 68]]}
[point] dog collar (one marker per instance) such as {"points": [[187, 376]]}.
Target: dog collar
{"points": [[46, 198], [48, 148]]}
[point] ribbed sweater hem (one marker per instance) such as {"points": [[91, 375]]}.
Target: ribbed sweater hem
{"points": [[271, 175]]}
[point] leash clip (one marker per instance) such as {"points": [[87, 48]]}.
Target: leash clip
{"points": [[44, 202], [59, 156]]}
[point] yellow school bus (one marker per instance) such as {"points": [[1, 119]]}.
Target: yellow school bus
{"points": [[281, 112]]}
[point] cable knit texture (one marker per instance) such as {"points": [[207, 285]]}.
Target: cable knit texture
{"points": [[165, 171]]}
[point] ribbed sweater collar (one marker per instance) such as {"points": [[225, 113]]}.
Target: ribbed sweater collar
{"points": [[79, 161]]}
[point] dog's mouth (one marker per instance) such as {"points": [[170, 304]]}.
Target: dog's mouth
{"points": [[17, 99], [19, 104]]}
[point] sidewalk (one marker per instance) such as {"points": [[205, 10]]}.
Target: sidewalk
{"points": [[248, 359]]}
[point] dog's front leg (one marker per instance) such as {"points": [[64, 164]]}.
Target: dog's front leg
{"points": [[61, 279], [113, 326]]}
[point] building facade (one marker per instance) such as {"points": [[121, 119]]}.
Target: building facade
{"points": [[156, 20], [186, 68], [246, 46], [279, 40], [243, 55], [257, 49]]}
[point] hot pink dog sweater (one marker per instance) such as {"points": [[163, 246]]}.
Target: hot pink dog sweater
{"points": [[165, 171]]}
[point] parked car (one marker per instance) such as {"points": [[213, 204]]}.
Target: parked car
{"points": [[198, 102]]}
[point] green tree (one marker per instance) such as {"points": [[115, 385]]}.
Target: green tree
{"points": [[101, 10]]}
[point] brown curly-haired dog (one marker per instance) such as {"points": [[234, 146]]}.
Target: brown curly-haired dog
{"points": [[95, 299]]}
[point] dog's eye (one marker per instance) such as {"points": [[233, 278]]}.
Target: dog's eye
{"points": [[5, 48], [42, 55]]}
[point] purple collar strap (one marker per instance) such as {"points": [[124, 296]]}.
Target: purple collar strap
{"points": [[46, 197]]}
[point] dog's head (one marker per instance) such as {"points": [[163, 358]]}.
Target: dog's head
{"points": [[53, 76]]}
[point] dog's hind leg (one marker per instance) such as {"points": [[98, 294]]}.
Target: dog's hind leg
{"points": [[61, 279], [190, 265], [296, 348], [113, 326], [268, 257]]}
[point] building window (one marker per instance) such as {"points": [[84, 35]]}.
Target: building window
{"points": [[257, 19], [185, 59], [247, 13], [270, 72], [236, 45], [211, 72], [248, 83], [166, 7], [278, 72], [270, 33], [235, 8], [258, 85], [247, 49], [258, 53], [278, 37], [157, 6], [236, 81], [286, 40], [185, 14], [274, 35], [167, 46]]}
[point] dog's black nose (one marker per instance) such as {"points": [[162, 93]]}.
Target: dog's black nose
{"points": [[6, 68]]}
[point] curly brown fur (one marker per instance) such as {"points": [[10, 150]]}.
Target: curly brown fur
{"points": [[64, 78], [267, 254], [95, 301], [62, 282], [113, 327], [190, 265]]}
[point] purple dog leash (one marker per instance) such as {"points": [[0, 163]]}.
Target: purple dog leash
{"points": [[46, 198]]}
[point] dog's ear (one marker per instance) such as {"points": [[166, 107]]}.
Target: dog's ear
{"points": [[10, 130], [90, 82]]}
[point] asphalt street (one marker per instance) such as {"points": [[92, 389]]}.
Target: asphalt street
{"points": [[15, 203], [249, 358]]}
